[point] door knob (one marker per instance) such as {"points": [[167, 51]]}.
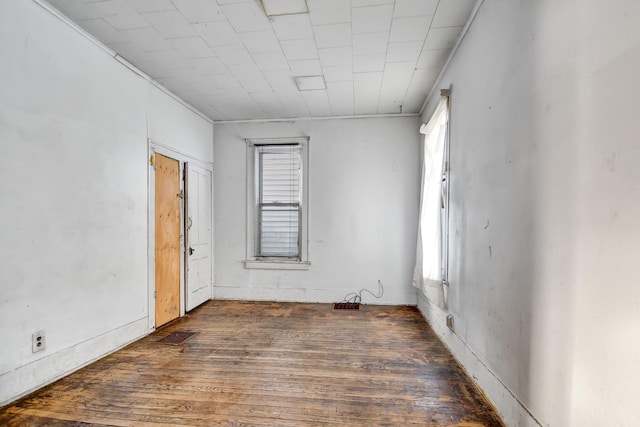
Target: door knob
{"points": [[191, 250]]}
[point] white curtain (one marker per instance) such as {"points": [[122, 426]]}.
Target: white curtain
{"points": [[427, 274]]}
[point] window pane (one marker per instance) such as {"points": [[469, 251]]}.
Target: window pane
{"points": [[279, 230], [280, 174]]}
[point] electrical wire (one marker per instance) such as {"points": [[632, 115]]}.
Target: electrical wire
{"points": [[356, 297]]}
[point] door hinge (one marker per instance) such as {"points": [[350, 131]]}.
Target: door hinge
{"points": [[152, 161], [180, 194], [155, 294]]}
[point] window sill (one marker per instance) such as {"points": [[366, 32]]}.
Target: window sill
{"points": [[276, 265]]}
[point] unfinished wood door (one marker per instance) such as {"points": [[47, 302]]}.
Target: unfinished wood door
{"points": [[198, 232], [167, 239]]}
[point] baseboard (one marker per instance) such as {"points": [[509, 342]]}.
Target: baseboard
{"points": [[308, 295], [32, 376], [512, 411]]}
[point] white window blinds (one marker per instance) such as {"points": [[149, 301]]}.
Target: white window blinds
{"points": [[278, 173]]}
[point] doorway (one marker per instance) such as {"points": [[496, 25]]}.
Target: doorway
{"points": [[168, 198]]}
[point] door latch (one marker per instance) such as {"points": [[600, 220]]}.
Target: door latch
{"points": [[191, 250]]}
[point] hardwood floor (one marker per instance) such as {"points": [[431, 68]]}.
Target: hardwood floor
{"points": [[270, 364]]}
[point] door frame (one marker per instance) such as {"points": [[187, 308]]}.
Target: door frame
{"points": [[153, 147]]}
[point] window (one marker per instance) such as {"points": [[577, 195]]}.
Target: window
{"points": [[278, 224], [430, 273], [277, 203]]}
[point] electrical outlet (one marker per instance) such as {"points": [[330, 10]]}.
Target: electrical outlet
{"points": [[37, 341], [450, 322]]}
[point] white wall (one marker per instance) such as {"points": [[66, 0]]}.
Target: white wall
{"points": [[363, 203], [73, 195], [545, 204], [174, 125]]}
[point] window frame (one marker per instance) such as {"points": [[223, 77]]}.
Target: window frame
{"points": [[252, 261]]}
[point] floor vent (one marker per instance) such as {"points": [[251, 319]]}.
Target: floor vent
{"points": [[177, 338], [346, 306]]}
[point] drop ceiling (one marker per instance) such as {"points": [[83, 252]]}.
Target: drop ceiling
{"points": [[244, 59]]}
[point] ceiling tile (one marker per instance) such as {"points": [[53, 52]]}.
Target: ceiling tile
{"points": [[369, 44], [361, 3], [305, 83], [293, 104], [255, 85], [292, 27], [191, 47], [365, 63], [239, 105], [218, 33], [199, 10], [284, 7], [452, 13], [404, 51], [145, 6], [415, 7], [225, 81], [340, 97], [334, 56], [170, 24], [233, 55], [338, 74], [280, 81], [77, 10], [208, 65], [392, 95], [433, 58], [102, 30], [245, 72], [246, 17], [371, 19], [408, 29], [124, 17], [299, 49], [168, 58], [153, 69], [267, 101], [441, 38], [260, 41], [417, 92], [334, 35], [317, 102], [324, 12], [233, 1], [146, 39], [399, 70], [271, 61], [366, 90], [305, 67]]}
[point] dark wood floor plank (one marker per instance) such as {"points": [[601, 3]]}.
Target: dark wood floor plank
{"points": [[270, 364]]}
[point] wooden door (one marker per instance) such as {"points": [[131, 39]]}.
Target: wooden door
{"points": [[167, 238], [198, 232]]}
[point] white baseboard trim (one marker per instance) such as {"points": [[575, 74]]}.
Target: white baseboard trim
{"points": [[307, 295], [28, 378], [512, 411]]}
